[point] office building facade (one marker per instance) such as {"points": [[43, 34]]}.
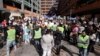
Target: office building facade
{"points": [[53, 10], [78, 7], [46, 5], [22, 5]]}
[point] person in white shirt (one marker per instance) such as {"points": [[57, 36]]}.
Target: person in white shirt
{"points": [[47, 43], [92, 42]]}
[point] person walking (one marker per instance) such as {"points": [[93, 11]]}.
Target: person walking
{"points": [[25, 34], [37, 34], [1, 38], [83, 43], [58, 37], [92, 42], [11, 33], [47, 43]]}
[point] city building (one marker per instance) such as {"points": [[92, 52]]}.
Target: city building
{"points": [[89, 9], [46, 5], [78, 7], [53, 10], [25, 6], [1, 4]]}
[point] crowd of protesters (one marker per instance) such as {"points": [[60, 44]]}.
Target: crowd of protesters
{"points": [[46, 34]]}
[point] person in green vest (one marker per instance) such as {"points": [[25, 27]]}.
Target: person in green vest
{"points": [[60, 28], [83, 43], [11, 33], [37, 34], [54, 27], [66, 29], [58, 38]]}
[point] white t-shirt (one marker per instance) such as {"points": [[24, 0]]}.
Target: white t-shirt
{"points": [[47, 41]]}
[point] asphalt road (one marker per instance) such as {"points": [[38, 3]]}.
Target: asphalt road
{"points": [[29, 50]]}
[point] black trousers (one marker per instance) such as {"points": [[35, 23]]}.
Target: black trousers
{"points": [[91, 46], [37, 44], [58, 48], [58, 38]]}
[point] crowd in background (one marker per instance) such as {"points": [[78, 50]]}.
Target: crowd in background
{"points": [[45, 34]]}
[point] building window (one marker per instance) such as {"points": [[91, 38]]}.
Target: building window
{"points": [[48, 5], [48, 2], [42, 5], [47, 8], [42, 2], [43, 8], [34, 4]]}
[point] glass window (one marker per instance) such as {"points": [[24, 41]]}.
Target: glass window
{"points": [[48, 2], [42, 5], [42, 2]]}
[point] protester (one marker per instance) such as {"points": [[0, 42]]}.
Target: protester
{"points": [[92, 42], [37, 34], [25, 34], [1, 39], [58, 37], [11, 33], [83, 43], [47, 43], [49, 33]]}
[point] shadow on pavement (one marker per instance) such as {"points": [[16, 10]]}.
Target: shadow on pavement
{"points": [[38, 48], [69, 51]]}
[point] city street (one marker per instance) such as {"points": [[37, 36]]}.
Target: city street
{"points": [[60, 27], [29, 50]]}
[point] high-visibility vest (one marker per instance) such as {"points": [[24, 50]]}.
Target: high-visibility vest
{"points": [[61, 29], [66, 27], [49, 26], [38, 34], [11, 34], [83, 41], [54, 27]]}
